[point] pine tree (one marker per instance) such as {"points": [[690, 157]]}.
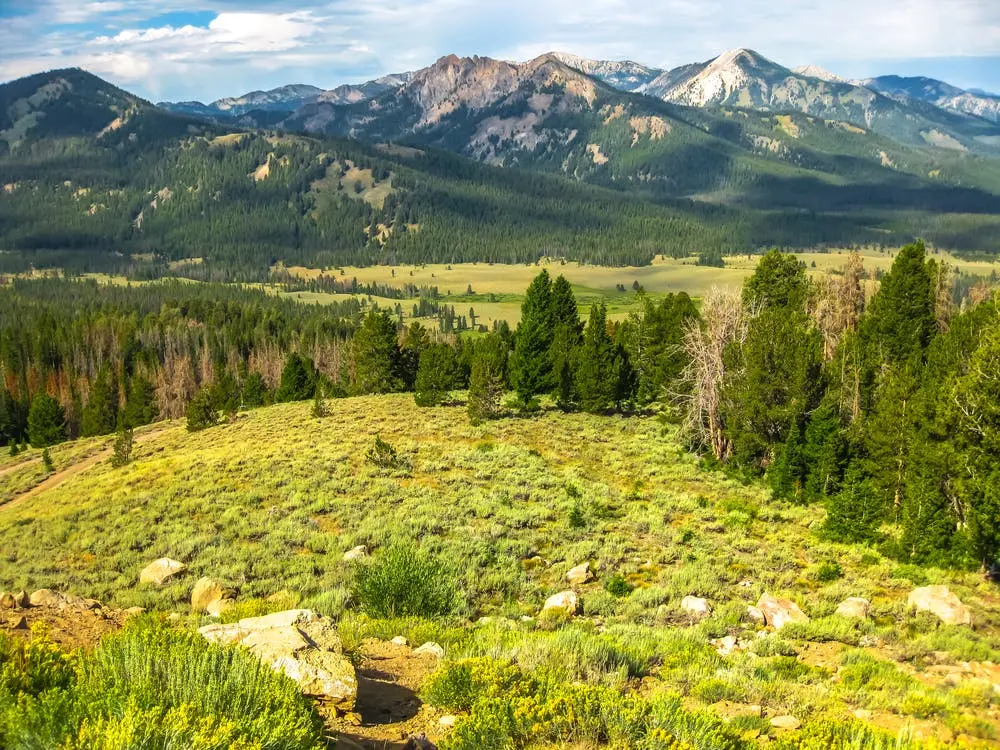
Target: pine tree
{"points": [[298, 382], [46, 421], [487, 379], [100, 415], [226, 391], [255, 390], [854, 514], [415, 342], [531, 360], [436, 375], [376, 356], [596, 372], [567, 336], [124, 441], [900, 322], [824, 453], [319, 403], [785, 474], [202, 411], [779, 281], [140, 402]]}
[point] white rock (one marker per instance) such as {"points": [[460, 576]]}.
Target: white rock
{"points": [[854, 607], [430, 648], [205, 592], [302, 645], [939, 601], [400, 641], [579, 575], [216, 608], [46, 598], [785, 722], [696, 606], [565, 601], [725, 646], [447, 721], [356, 553], [779, 612], [160, 571], [756, 615]]}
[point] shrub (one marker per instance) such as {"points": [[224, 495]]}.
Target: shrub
{"points": [[13, 448], [616, 585], [403, 581], [47, 461], [827, 571], [384, 456]]}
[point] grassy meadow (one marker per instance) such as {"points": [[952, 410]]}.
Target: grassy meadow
{"points": [[269, 503], [498, 288]]}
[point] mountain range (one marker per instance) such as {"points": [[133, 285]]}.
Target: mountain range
{"points": [[735, 153]]}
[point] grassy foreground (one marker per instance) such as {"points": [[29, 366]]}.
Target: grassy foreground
{"points": [[270, 502]]}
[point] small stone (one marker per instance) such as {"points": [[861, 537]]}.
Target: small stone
{"points": [[696, 606], [216, 608], [400, 641], [160, 571], [756, 615], [21, 599], [863, 713], [356, 553], [854, 607], [941, 602], [447, 721], [725, 646], [18, 622], [432, 648], [46, 598], [526, 618], [579, 575], [174, 617], [564, 601], [785, 722], [135, 611], [205, 592], [780, 612], [7, 600]]}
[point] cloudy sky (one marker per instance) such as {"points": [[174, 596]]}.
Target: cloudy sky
{"points": [[189, 49]]}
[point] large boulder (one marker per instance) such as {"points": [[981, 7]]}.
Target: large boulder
{"points": [[854, 607], [779, 612], [356, 553], [939, 601], [47, 598], [160, 571], [566, 602], [696, 606], [302, 645], [205, 592], [579, 575]]}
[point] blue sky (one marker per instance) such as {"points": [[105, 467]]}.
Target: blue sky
{"points": [[185, 49]]}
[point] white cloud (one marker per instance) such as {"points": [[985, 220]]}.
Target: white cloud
{"points": [[254, 43]]}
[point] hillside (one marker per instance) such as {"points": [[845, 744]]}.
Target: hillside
{"points": [[268, 504], [605, 177]]}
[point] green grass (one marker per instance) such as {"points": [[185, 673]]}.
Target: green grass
{"points": [[269, 503]]}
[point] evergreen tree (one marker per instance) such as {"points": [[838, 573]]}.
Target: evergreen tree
{"points": [[298, 380], [226, 392], [654, 340], [487, 379], [415, 342], [597, 372], [376, 355], [786, 472], [436, 375], [900, 322], [824, 453], [202, 411], [531, 360], [100, 415], [140, 402], [255, 390], [124, 441], [46, 421], [779, 281], [566, 339], [854, 513], [891, 430], [319, 403]]}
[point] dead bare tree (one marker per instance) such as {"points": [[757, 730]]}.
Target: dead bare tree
{"points": [[838, 303], [724, 320]]}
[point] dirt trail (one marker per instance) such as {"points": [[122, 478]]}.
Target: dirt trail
{"points": [[18, 465], [57, 478]]}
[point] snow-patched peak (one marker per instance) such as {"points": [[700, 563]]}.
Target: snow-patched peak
{"points": [[717, 80], [815, 71]]}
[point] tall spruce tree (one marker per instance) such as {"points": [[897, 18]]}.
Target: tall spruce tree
{"points": [[298, 380], [854, 512], [140, 402], [567, 336], [531, 360], [900, 322], [487, 379], [376, 355], [596, 372], [100, 414], [46, 421], [436, 375]]}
